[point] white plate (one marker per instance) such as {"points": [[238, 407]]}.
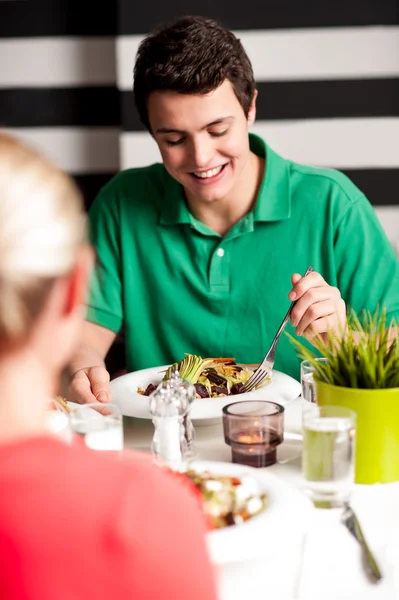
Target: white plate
{"points": [[283, 521], [204, 411]]}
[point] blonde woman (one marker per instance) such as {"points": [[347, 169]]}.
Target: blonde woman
{"points": [[73, 523]]}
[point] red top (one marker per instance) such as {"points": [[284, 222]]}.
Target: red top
{"points": [[78, 525]]}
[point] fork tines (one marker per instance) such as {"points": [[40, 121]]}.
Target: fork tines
{"points": [[258, 376]]}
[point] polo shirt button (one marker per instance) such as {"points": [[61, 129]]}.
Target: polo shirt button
{"points": [[220, 252]]}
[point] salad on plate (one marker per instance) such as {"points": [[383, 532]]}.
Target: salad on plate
{"points": [[212, 377], [227, 500]]}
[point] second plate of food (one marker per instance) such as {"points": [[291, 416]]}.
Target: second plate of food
{"points": [[281, 516]]}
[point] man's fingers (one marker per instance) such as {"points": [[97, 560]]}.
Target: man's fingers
{"points": [[322, 317], [303, 284], [295, 278], [319, 328], [80, 389], [314, 313], [99, 380], [309, 302], [319, 306], [89, 385]]}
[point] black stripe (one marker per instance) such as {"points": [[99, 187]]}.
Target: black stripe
{"points": [[91, 184], [381, 186], [323, 99], [41, 107], [99, 106], [57, 17], [140, 17], [308, 100], [72, 17]]}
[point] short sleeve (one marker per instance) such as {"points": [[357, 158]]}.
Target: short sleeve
{"points": [[366, 265], [104, 305]]}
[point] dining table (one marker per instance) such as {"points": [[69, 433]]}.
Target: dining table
{"points": [[322, 560]]}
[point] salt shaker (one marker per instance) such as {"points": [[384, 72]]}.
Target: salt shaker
{"points": [[169, 406], [187, 390]]}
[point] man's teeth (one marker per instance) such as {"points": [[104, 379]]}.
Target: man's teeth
{"points": [[210, 173]]}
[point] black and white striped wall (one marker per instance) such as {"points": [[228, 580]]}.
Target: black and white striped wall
{"points": [[327, 75]]}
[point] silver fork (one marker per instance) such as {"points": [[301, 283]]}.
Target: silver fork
{"points": [[266, 366]]}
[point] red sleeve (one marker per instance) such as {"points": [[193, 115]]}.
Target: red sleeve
{"points": [[162, 535]]}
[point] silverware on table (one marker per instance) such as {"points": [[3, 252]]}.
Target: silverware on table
{"points": [[351, 522], [299, 573], [266, 366]]}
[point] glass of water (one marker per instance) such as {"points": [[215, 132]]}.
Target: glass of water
{"points": [[57, 421], [309, 400], [100, 425], [328, 455], [307, 381]]}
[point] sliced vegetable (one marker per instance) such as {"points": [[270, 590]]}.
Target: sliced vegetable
{"points": [[201, 390]]}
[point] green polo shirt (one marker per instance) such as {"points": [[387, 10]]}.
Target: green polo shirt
{"points": [[176, 286]]}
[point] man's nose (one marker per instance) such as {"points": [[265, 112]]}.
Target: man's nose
{"points": [[201, 153]]}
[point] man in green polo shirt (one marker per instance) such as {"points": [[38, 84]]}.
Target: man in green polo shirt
{"points": [[203, 253]]}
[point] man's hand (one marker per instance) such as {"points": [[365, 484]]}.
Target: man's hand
{"points": [[83, 384], [90, 384], [319, 307]]}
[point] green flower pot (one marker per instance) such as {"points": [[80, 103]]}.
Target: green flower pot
{"points": [[377, 429]]}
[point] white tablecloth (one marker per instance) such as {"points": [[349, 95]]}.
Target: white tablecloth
{"points": [[326, 564]]}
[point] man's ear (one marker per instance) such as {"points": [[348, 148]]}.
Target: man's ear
{"points": [[78, 280], [252, 109]]}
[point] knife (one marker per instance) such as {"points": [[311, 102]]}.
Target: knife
{"points": [[351, 522]]}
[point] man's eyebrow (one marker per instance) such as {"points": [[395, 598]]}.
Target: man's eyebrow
{"points": [[216, 122], [219, 121], [167, 130]]}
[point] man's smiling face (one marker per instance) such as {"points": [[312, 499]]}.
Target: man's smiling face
{"points": [[203, 139]]}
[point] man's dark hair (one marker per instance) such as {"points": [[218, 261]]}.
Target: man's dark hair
{"points": [[192, 55]]}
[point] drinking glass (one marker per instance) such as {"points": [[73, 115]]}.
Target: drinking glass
{"points": [[100, 425], [307, 381], [328, 455], [309, 400], [253, 429], [57, 421]]}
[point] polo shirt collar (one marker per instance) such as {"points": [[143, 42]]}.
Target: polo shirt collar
{"points": [[174, 209], [274, 198], [273, 202]]}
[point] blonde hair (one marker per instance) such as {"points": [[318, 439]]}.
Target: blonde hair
{"points": [[42, 226]]}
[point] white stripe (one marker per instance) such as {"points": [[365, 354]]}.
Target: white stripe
{"points": [[76, 150], [338, 143], [299, 54], [389, 219], [57, 62], [138, 149], [336, 53]]}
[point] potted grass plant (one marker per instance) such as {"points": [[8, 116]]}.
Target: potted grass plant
{"points": [[362, 373]]}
